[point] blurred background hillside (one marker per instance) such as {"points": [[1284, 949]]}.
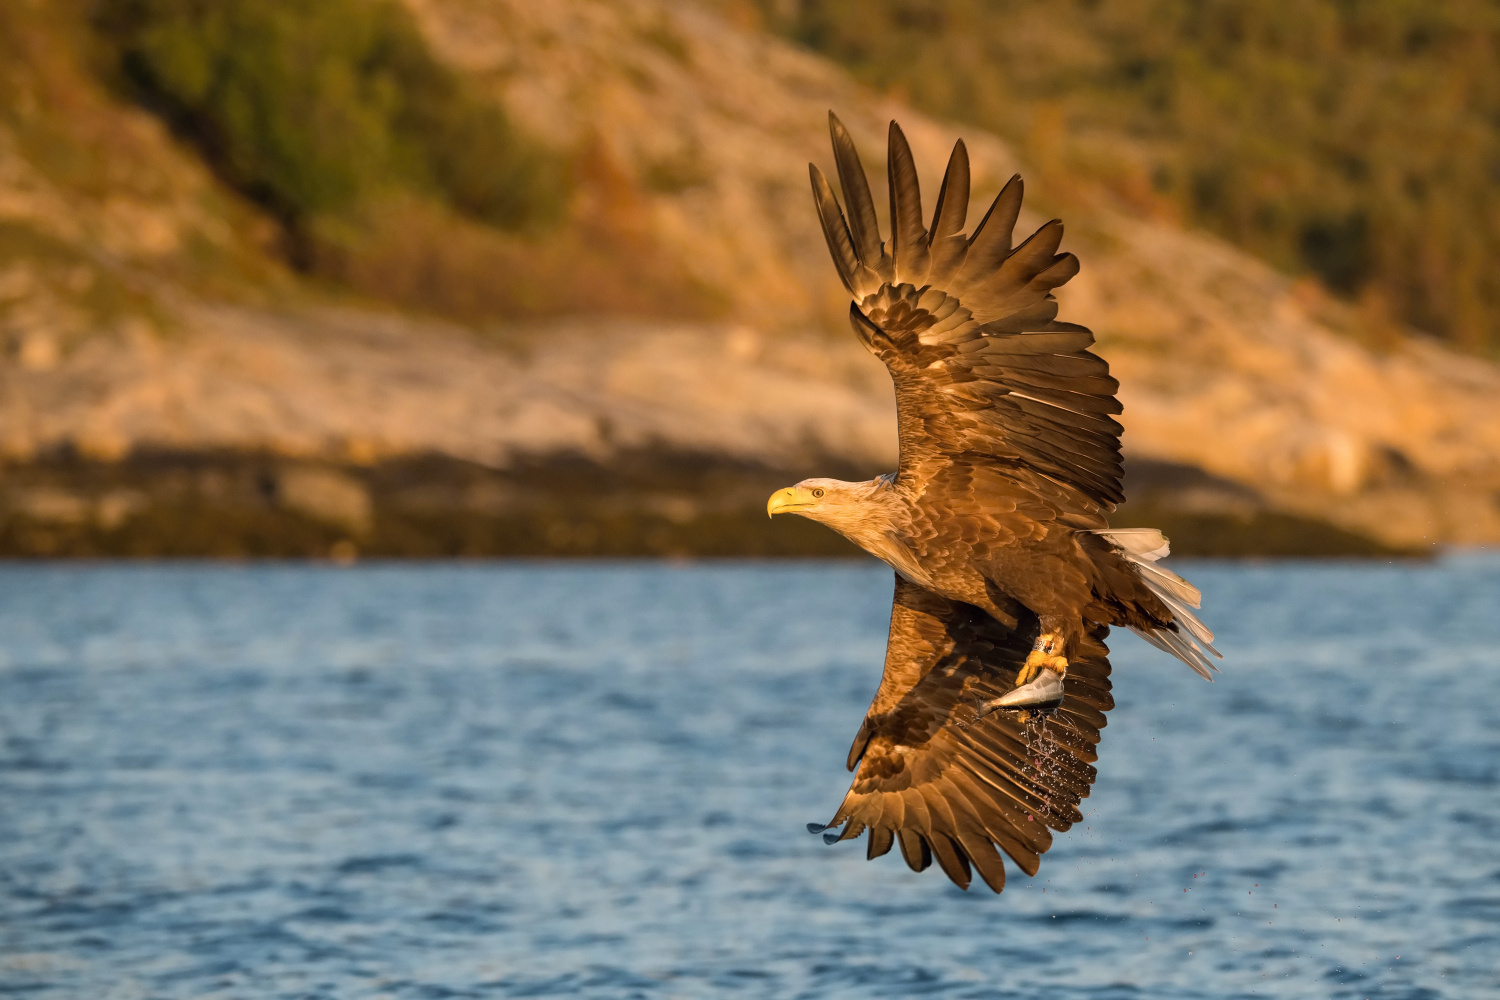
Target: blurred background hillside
{"points": [[468, 277], [1353, 143]]}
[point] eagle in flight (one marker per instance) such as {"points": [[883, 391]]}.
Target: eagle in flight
{"points": [[981, 735]]}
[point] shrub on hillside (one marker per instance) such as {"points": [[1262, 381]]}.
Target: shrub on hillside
{"points": [[310, 108], [1356, 141]]}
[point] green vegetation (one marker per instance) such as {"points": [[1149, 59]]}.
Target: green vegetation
{"points": [[313, 108], [391, 174], [1355, 141]]}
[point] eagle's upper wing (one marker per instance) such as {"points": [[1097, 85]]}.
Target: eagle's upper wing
{"points": [[967, 327], [946, 784]]}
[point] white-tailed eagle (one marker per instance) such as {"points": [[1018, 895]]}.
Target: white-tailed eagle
{"points": [[981, 736]]}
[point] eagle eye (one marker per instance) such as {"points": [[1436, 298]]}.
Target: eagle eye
{"points": [[818, 492]]}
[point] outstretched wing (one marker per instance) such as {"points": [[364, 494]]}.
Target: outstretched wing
{"points": [[967, 326], [946, 784]]}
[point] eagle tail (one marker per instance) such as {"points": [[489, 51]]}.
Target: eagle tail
{"points": [[1192, 641]]}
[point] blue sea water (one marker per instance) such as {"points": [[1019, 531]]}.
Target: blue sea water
{"points": [[591, 780]]}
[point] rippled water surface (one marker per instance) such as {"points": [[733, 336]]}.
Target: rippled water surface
{"points": [[591, 780]]}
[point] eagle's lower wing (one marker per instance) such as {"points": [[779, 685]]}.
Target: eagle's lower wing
{"points": [[967, 326], [946, 784]]}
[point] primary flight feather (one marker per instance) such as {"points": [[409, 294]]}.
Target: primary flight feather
{"points": [[981, 736]]}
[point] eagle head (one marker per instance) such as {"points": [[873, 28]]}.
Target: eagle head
{"points": [[870, 515], [810, 498], [840, 505]]}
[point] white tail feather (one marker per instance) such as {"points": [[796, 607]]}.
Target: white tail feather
{"points": [[1148, 543], [1142, 547], [1165, 579]]}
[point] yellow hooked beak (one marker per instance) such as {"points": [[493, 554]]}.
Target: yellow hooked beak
{"points": [[789, 501]]}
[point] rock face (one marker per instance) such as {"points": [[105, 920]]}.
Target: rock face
{"points": [[1230, 367], [695, 132]]}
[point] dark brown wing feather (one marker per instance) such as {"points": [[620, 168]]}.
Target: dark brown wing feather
{"points": [[950, 786], [968, 328]]}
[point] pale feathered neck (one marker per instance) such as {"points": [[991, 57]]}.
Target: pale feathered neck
{"points": [[874, 515]]}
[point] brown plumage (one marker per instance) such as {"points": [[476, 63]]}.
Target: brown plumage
{"points": [[995, 522]]}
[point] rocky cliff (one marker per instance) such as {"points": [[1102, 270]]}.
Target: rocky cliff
{"points": [[153, 336]]}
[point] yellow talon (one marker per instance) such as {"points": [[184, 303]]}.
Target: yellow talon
{"points": [[1033, 688], [1043, 654]]}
